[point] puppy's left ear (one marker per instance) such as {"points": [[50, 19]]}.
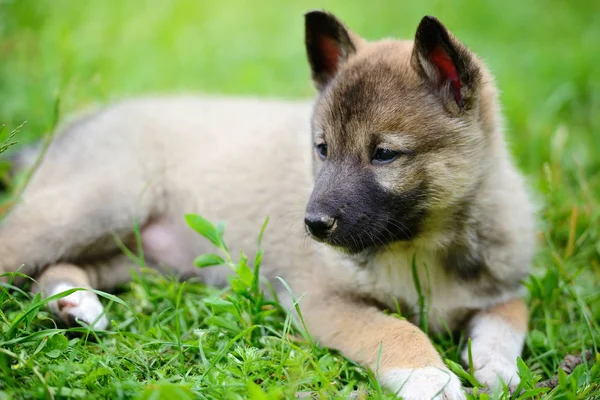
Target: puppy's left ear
{"points": [[328, 45], [446, 64]]}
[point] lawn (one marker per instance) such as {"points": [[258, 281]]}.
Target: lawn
{"points": [[175, 340]]}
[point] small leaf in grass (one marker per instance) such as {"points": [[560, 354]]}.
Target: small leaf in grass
{"points": [[244, 272], [218, 303], [54, 353], [579, 373], [538, 339], [461, 373], [222, 322], [483, 396], [208, 260], [167, 391], [524, 371], [237, 285], [58, 342], [220, 227], [258, 258], [562, 379], [97, 373], [255, 392], [204, 227]]}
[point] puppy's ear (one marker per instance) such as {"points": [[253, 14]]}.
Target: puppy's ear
{"points": [[328, 45], [447, 64]]}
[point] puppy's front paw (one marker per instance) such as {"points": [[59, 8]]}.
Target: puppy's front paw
{"points": [[495, 347], [423, 383], [496, 371], [492, 369], [81, 305]]}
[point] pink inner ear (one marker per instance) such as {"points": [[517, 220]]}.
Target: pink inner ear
{"points": [[447, 70], [330, 50]]}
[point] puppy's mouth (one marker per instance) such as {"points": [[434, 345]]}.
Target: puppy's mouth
{"points": [[362, 237], [351, 247]]}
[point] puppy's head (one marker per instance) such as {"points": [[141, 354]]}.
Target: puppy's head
{"points": [[400, 130]]}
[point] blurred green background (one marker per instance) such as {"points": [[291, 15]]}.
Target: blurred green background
{"points": [[545, 55]]}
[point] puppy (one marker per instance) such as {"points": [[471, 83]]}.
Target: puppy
{"points": [[409, 193]]}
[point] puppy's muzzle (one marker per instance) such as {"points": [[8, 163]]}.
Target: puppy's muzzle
{"points": [[319, 226]]}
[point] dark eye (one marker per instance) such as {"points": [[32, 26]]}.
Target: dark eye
{"points": [[322, 150], [384, 156]]}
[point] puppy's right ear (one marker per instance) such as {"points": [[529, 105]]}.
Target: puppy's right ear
{"points": [[328, 46]]}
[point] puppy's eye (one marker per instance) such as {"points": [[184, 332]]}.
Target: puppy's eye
{"points": [[322, 150], [384, 156]]}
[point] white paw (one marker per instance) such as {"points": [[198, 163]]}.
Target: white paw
{"points": [[495, 347], [492, 369], [423, 383], [81, 305], [496, 371]]}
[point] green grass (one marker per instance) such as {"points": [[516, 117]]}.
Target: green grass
{"points": [[182, 340]]}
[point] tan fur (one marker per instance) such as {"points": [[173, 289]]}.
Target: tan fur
{"points": [[514, 312], [60, 273], [148, 161], [367, 336]]}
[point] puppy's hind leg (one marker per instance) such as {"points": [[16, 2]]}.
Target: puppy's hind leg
{"points": [[69, 221], [83, 305]]}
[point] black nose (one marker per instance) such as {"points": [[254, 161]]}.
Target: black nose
{"points": [[319, 225]]}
